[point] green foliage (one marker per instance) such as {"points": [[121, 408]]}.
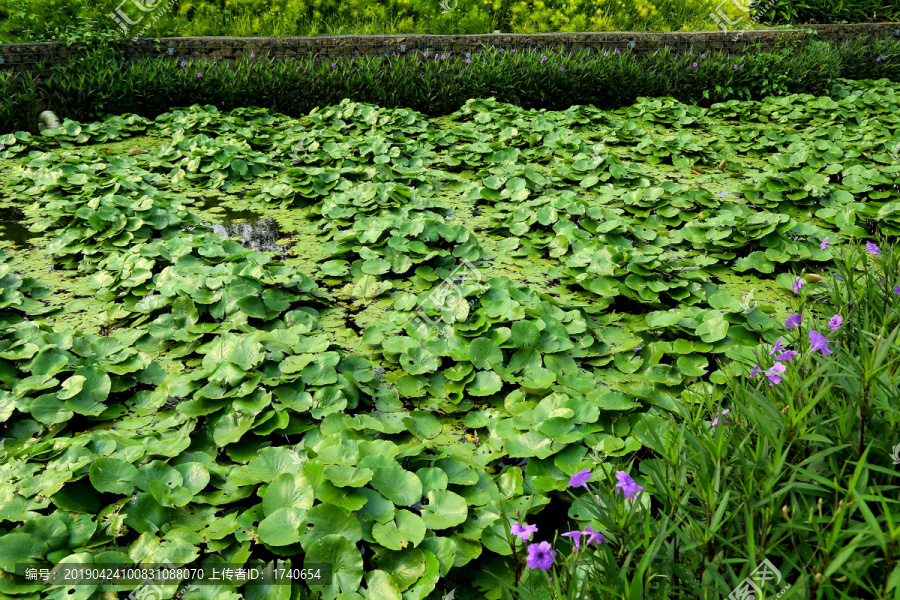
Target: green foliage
{"points": [[823, 11], [89, 228], [435, 86], [809, 462], [368, 403]]}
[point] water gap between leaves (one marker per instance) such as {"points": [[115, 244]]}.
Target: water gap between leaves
{"points": [[249, 229]]}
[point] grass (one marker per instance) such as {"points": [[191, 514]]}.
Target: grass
{"points": [[801, 473]]}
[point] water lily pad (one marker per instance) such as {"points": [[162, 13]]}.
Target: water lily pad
{"points": [[113, 475]]}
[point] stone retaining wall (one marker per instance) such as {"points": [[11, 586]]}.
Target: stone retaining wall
{"points": [[23, 57]]}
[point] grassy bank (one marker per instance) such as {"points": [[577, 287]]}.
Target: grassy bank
{"points": [[92, 86]]}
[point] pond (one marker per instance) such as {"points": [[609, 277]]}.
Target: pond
{"points": [[366, 358]]}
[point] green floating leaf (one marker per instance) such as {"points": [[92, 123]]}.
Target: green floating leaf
{"points": [[444, 509], [343, 556], [282, 527], [406, 528], [113, 475]]}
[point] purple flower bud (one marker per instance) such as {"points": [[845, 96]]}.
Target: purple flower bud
{"points": [[722, 414]]}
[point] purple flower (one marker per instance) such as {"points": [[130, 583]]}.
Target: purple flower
{"points": [[702, 56], [523, 532], [835, 322], [468, 60], [443, 56], [774, 374], [787, 356], [426, 55], [793, 321], [777, 347], [690, 53], [798, 283], [393, 54], [332, 64], [627, 484], [871, 248], [596, 536], [897, 290], [824, 243], [501, 49], [695, 64], [735, 66], [467, 55], [576, 535], [617, 51], [199, 74], [580, 479], [252, 56], [540, 557], [755, 370], [182, 63], [722, 414], [606, 54], [819, 342]]}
